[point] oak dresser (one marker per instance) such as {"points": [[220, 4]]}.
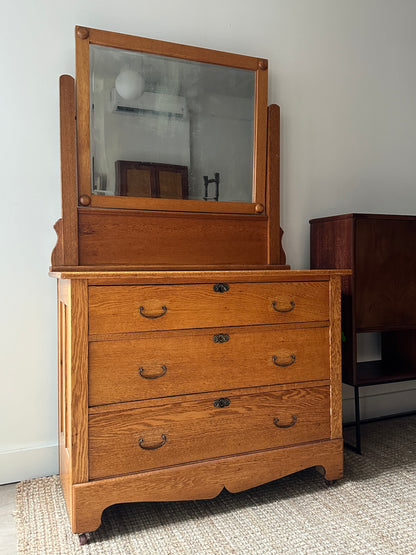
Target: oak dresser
{"points": [[191, 358]]}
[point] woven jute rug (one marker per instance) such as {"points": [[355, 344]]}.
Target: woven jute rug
{"points": [[371, 511]]}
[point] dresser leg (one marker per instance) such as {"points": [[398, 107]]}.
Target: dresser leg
{"points": [[83, 539]]}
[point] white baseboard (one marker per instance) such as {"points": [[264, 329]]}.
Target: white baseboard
{"points": [[377, 401], [25, 464]]}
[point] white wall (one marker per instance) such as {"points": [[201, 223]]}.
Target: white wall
{"points": [[344, 75]]}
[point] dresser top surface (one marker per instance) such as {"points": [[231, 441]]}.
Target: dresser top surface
{"points": [[191, 276]]}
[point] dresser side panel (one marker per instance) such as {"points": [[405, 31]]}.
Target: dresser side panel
{"points": [[79, 380], [335, 357], [64, 405]]}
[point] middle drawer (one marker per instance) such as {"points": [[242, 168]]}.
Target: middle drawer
{"points": [[176, 363]]}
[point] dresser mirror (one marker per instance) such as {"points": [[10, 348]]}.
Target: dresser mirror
{"points": [[170, 157], [169, 127]]}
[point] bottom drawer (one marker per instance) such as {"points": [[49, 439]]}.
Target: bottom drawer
{"points": [[132, 440]]}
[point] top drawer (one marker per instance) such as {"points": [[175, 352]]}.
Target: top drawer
{"points": [[121, 309]]}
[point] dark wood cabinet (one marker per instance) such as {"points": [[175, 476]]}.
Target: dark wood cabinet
{"points": [[379, 296]]}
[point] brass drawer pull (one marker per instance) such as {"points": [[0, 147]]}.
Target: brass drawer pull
{"points": [[147, 377], [284, 364], [294, 420], [221, 287], [292, 306], [222, 402], [141, 311], [152, 447], [221, 338]]}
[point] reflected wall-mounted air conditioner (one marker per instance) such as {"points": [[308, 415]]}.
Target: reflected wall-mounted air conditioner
{"points": [[156, 104]]}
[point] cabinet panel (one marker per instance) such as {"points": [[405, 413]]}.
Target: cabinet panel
{"points": [[169, 363], [151, 308], [385, 273], [195, 430]]}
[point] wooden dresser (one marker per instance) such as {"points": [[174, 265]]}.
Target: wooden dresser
{"points": [[175, 385], [191, 358]]}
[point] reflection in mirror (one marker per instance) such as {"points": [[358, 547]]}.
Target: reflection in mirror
{"points": [[170, 128]]}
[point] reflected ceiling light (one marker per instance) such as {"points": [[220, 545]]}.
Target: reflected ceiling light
{"points": [[129, 84]]}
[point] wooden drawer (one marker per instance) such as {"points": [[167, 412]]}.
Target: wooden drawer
{"points": [[187, 431], [119, 309], [175, 363]]}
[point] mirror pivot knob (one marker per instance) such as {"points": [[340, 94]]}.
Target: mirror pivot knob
{"points": [[84, 200], [82, 33]]}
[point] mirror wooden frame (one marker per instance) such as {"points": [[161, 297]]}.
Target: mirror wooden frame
{"points": [[86, 37], [120, 232]]}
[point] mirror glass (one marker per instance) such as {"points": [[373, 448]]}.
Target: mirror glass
{"points": [[166, 127]]}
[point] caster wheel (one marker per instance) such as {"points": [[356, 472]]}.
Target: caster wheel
{"points": [[330, 482], [83, 539]]}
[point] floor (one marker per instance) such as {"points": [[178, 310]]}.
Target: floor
{"points": [[8, 539]]}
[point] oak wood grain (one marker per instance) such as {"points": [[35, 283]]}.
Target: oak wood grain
{"points": [[160, 275], [335, 357], [156, 402], [57, 256], [68, 170], [64, 404], [117, 309], [170, 49], [191, 362], [130, 237], [118, 265], [173, 205], [78, 380], [202, 480], [82, 64], [197, 430], [260, 138]]}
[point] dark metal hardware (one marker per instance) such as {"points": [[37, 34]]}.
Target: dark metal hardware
{"points": [[152, 447], [294, 420], [222, 402], [147, 377], [221, 287], [284, 364], [141, 309], [292, 306], [221, 338]]}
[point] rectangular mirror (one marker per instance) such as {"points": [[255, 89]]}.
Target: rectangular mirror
{"points": [[169, 127]]}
